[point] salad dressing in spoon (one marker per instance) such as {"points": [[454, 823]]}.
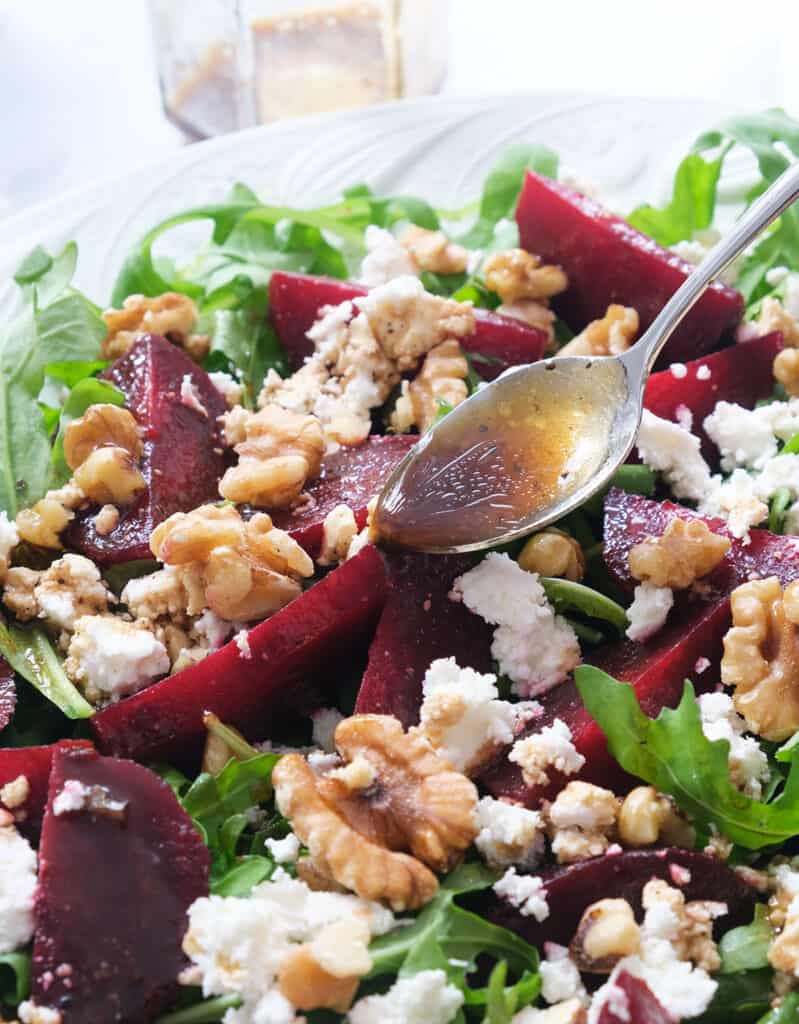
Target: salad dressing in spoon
{"points": [[540, 440]]}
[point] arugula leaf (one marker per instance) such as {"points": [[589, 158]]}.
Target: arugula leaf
{"points": [[448, 937], [251, 345], [209, 1011], [34, 266], [746, 948], [740, 998], [86, 392], [29, 652], [59, 325], [563, 594], [502, 188], [692, 203], [673, 754], [633, 479], [212, 799], [71, 373], [780, 502], [15, 977], [786, 1013]]}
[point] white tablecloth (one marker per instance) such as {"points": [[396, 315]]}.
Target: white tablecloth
{"points": [[79, 99]]}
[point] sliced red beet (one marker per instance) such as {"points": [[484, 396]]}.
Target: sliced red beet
{"points": [[741, 374], [630, 519], [115, 885], [656, 670], [639, 1004], [607, 261], [183, 459], [569, 890], [8, 693], [295, 301], [419, 624], [250, 686], [350, 476], [34, 763]]}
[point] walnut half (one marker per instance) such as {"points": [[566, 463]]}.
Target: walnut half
{"points": [[761, 657], [684, 552], [415, 813]]}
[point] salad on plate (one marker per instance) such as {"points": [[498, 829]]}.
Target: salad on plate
{"points": [[258, 766]]}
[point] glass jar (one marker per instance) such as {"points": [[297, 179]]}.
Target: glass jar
{"points": [[229, 64]]}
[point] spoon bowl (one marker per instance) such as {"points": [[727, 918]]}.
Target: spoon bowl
{"points": [[530, 447]]}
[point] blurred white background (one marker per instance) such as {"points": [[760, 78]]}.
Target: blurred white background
{"points": [[79, 99]]}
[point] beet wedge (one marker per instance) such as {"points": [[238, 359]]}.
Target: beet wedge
{"points": [[8, 693], [630, 519], [183, 458], [607, 261], [741, 374], [419, 624], [34, 763], [350, 476], [569, 890], [115, 885], [689, 647], [250, 684], [295, 301]]}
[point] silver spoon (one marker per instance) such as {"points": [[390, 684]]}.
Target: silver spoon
{"points": [[537, 442]]}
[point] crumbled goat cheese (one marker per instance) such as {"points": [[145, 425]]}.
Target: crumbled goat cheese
{"points": [[552, 747], [525, 892], [385, 258], [71, 587], [339, 529], [649, 610], [735, 500], [9, 537], [228, 387], [748, 438], [790, 300], [509, 834], [211, 629], [679, 370], [17, 885], [242, 639], [704, 373], [111, 658], [424, 998], [70, 798], [189, 396], [685, 418], [560, 978], [695, 250], [461, 714], [29, 1013], [572, 1011], [669, 449], [284, 851], [325, 722], [776, 276], [534, 647], [749, 767], [238, 945], [682, 990]]}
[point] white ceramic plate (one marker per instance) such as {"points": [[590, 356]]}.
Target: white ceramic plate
{"points": [[439, 148]]}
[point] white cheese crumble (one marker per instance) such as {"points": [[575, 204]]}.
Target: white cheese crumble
{"points": [[284, 851], [29, 1013], [669, 449], [71, 798], [552, 747], [385, 258], [190, 397], [749, 768], [325, 722], [228, 387], [525, 892], [211, 629], [509, 834], [704, 373], [735, 500], [560, 978], [239, 944], [110, 658], [747, 438], [679, 370], [424, 998], [649, 610], [17, 885], [534, 647], [461, 714], [685, 418], [9, 538], [242, 639], [695, 249]]}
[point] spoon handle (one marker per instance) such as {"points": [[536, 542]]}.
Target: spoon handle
{"points": [[767, 208]]}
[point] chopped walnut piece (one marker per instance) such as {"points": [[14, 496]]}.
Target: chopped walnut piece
{"points": [[101, 426], [647, 817], [531, 312], [106, 520], [42, 524], [582, 820], [517, 274], [19, 592], [110, 476], [686, 551], [688, 926], [783, 915], [433, 251], [247, 570], [278, 452], [14, 793], [774, 317], [610, 336], [172, 315], [324, 973], [416, 802], [761, 657], [338, 532], [440, 382], [786, 370], [553, 553], [607, 932]]}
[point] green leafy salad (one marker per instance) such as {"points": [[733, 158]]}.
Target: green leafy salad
{"points": [[260, 766]]}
